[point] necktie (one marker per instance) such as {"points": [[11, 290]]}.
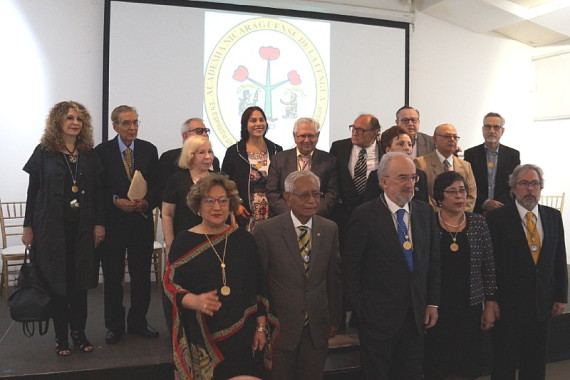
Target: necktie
{"points": [[305, 246], [360, 172], [446, 165], [405, 239], [128, 162], [532, 237], [304, 164]]}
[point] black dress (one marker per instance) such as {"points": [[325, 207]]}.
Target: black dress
{"points": [[175, 192], [453, 346]]}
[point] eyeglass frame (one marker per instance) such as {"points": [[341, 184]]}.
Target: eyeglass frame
{"points": [[207, 130], [310, 137], [488, 127], [128, 123], [448, 136], [210, 202], [403, 178], [407, 120], [358, 130], [526, 184], [304, 197], [454, 192]]}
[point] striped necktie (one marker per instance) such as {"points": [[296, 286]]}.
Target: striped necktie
{"points": [[305, 246], [360, 172]]}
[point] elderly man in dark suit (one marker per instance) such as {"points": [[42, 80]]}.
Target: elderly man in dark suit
{"points": [[301, 263], [532, 279], [391, 273], [129, 225], [409, 118], [169, 159], [304, 157], [492, 165]]}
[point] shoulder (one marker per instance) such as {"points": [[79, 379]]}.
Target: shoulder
{"points": [[172, 153], [145, 144], [509, 150], [322, 155], [284, 155], [324, 222], [421, 207], [473, 151], [272, 147], [340, 144]]}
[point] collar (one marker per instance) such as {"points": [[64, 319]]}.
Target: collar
{"points": [[297, 223], [369, 150], [522, 211], [394, 207], [441, 158], [487, 150], [299, 153], [122, 145]]}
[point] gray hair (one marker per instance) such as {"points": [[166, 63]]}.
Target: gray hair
{"points": [[494, 114], [307, 120], [293, 177], [387, 158], [185, 127], [519, 170]]}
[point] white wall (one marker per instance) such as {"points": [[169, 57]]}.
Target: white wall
{"points": [[455, 76]]}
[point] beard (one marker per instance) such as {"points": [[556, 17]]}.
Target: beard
{"points": [[405, 196], [528, 201]]}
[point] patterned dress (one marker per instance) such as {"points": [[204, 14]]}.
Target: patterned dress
{"points": [[257, 178]]}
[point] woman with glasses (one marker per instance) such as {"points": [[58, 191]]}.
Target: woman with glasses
{"points": [[468, 290], [396, 139], [64, 219], [213, 281], [247, 163]]}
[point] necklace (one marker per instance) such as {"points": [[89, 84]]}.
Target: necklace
{"points": [[225, 290], [533, 234], [73, 160], [407, 244], [72, 157], [453, 246], [196, 178]]}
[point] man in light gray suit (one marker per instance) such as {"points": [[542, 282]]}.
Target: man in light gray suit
{"points": [[409, 118], [301, 262]]}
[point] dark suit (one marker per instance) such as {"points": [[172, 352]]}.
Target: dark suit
{"points": [[526, 291], [391, 301], [292, 294], [323, 164], [508, 159], [127, 231], [424, 143], [169, 165], [348, 196]]}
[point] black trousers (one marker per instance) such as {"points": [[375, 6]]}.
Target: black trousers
{"points": [[136, 239], [521, 346]]}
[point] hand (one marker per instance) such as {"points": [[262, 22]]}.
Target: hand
{"points": [[558, 308], [332, 331], [259, 340], [98, 235], [141, 205], [492, 204], [430, 317], [206, 303], [28, 237], [126, 205], [490, 315], [242, 213]]}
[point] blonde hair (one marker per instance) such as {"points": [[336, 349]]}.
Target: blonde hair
{"points": [[52, 139], [189, 149]]}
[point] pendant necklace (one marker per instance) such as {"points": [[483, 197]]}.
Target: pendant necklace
{"points": [[75, 161], [225, 290], [407, 245], [453, 246], [72, 157], [533, 234]]}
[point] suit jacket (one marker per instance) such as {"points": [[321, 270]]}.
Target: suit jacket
{"points": [[116, 183], [432, 166], [348, 196], [169, 166], [376, 279], [323, 164], [508, 159], [425, 144], [291, 293], [525, 289]]}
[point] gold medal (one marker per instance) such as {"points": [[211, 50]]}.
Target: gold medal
{"points": [[225, 290], [454, 247], [75, 188], [407, 245], [491, 164]]}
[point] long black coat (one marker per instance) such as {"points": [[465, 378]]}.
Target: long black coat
{"points": [[44, 213]]}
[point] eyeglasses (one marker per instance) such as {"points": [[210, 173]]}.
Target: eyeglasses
{"points": [[449, 137], [359, 131], [210, 202], [527, 184], [316, 195], [405, 178], [488, 127], [128, 123], [454, 192], [200, 131], [310, 137], [409, 120]]}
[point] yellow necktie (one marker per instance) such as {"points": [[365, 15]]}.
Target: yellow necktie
{"points": [[128, 161], [532, 237], [305, 246]]}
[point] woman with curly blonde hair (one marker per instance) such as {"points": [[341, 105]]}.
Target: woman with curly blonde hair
{"points": [[64, 218]]}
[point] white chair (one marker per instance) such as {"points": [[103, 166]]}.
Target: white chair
{"points": [[11, 226], [554, 201]]}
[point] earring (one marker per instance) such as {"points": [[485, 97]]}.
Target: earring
{"points": [[199, 213]]}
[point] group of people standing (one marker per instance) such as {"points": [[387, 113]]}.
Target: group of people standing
{"points": [[435, 249]]}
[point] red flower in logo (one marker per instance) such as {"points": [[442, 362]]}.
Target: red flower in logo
{"points": [[294, 78], [269, 53], [241, 74]]}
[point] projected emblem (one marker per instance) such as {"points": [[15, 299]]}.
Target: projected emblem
{"points": [[270, 63]]}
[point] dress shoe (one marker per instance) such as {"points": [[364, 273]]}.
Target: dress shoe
{"points": [[113, 337], [146, 331]]}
